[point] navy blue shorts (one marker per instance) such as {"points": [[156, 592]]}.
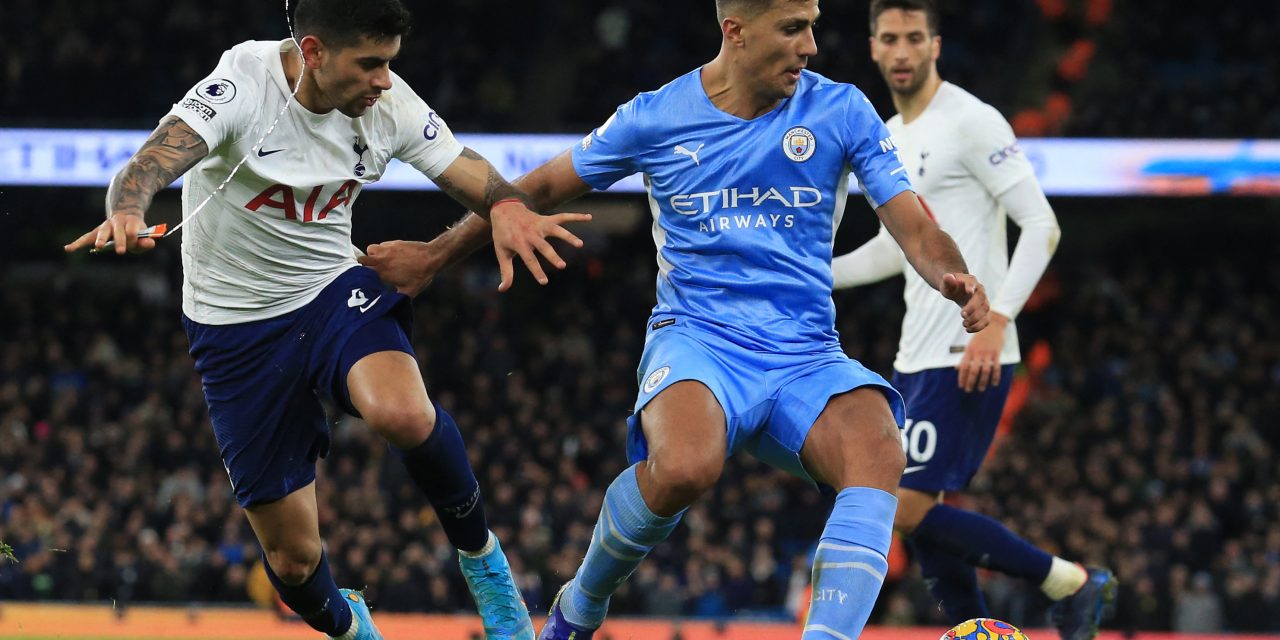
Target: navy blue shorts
{"points": [[264, 380], [948, 431]]}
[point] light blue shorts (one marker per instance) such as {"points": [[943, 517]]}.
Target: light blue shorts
{"points": [[770, 400]]}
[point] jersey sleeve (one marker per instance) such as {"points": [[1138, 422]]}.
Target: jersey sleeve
{"points": [[426, 142], [872, 153], [611, 152], [222, 107], [991, 152]]}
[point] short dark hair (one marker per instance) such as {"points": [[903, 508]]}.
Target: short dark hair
{"points": [[341, 23], [927, 6], [748, 8]]}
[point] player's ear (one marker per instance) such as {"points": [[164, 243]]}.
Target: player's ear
{"points": [[937, 47], [731, 27], [312, 51]]}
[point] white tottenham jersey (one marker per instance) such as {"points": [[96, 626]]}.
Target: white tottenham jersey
{"points": [[960, 154], [280, 231]]}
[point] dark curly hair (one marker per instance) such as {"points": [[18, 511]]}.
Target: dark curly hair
{"points": [[341, 23]]}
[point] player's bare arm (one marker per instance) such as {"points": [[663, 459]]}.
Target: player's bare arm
{"points": [[171, 151], [410, 266], [517, 229], [935, 256]]}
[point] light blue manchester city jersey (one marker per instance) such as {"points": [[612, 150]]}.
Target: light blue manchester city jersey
{"points": [[745, 211]]}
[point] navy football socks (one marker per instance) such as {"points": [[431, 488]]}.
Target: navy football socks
{"points": [[952, 582], [982, 542], [317, 599], [440, 467]]}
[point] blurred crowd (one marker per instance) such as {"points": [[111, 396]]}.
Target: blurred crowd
{"points": [[1147, 444], [509, 66], [1203, 70]]}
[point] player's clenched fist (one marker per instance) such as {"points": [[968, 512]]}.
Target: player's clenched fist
{"points": [[965, 290], [407, 266]]}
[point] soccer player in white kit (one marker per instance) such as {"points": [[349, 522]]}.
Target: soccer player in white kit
{"points": [[965, 162], [276, 308]]}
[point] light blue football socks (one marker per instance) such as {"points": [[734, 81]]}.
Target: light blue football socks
{"points": [[851, 563], [625, 533]]}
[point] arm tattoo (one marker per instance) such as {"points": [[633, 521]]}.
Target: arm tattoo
{"points": [[172, 149], [454, 191], [496, 188]]}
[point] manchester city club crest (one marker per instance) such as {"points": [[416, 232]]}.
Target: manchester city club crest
{"points": [[799, 144], [656, 378]]}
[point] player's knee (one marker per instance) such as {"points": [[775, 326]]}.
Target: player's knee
{"points": [[878, 462], [404, 426], [296, 564], [895, 459], [682, 481], [891, 447]]}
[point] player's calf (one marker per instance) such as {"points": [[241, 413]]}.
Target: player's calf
{"points": [[851, 563], [440, 467], [625, 533]]}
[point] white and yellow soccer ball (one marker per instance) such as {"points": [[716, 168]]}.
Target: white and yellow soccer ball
{"points": [[984, 629]]}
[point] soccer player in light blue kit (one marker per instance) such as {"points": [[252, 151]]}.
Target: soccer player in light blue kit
{"points": [[747, 162]]}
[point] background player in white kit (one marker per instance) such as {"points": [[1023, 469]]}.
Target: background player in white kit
{"points": [[965, 163], [278, 311]]}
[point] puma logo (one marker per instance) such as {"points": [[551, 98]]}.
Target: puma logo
{"points": [[682, 151]]}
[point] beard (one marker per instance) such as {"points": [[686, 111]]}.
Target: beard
{"points": [[919, 74]]}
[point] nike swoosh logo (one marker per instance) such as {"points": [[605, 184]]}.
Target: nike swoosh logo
{"points": [[263, 153], [912, 469], [367, 306]]}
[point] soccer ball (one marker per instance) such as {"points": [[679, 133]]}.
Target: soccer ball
{"points": [[984, 629]]}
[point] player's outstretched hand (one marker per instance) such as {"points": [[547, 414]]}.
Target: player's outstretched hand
{"points": [[980, 365], [965, 290], [122, 230], [407, 266], [517, 231]]}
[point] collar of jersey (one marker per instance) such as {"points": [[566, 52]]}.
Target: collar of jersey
{"points": [[706, 99]]}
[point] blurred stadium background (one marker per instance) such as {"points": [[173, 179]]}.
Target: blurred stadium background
{"points": [[1142, 432]]}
